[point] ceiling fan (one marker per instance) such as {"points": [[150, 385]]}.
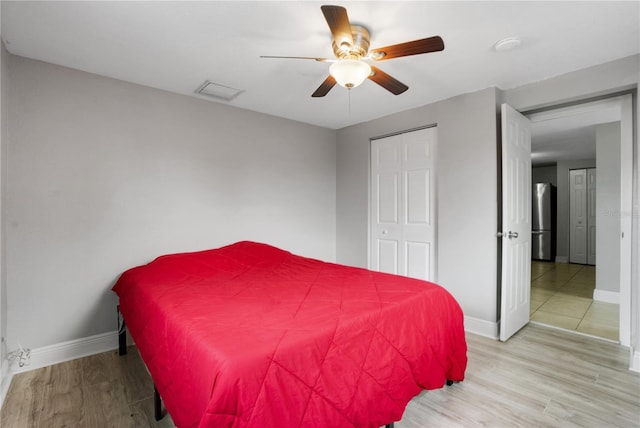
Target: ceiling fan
{"points": [[351, 48]]}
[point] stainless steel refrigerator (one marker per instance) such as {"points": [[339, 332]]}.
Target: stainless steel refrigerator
{"points": [[543, 222]]}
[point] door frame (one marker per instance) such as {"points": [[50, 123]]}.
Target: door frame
{"points": [[623, 104]]}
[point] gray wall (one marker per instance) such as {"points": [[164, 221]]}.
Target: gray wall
{"points": [[104, 175], [467, 194], [96, 163], [608, 207], [467, 178], [3, 139], [562, 246], [599, 80]]}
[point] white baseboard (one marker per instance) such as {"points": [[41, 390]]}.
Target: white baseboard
{"points": [[562, 259], [606, 296], [481, 327], [65, 351]]}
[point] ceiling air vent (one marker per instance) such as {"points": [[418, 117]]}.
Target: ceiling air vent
{"points": [[221, 92]]}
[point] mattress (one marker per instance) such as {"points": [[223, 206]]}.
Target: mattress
{"points": [[250, 335]]}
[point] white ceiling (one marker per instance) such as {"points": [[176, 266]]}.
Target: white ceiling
{"points": [[176, 46]]}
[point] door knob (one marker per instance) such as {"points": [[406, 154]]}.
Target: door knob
{"points": [[511, 234]]}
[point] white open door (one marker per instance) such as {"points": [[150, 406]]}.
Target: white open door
{"points": [[516, 222]]}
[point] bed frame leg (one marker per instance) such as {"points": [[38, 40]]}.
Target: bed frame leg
{"points": [[449, 382], [389, 425], [157, 404], [122, 334]]}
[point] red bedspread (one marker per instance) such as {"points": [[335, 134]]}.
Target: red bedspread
{"points": [[249, 335]]}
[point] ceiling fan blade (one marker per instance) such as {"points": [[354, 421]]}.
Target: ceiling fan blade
{"points": [[326, 86], [297, 57], [416, 47], [391, 84], [339, 25]]}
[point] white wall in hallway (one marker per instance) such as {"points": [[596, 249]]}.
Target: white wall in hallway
{"points": [[608, 208]]}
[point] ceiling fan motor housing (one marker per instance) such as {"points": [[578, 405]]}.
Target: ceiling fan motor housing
{"points": [[358, 49]]}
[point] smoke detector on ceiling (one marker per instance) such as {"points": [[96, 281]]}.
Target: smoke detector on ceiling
{"points": [[507, 44], [215, 90]]}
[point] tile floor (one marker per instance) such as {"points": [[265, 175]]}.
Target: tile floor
{"points": [[562, 296]]}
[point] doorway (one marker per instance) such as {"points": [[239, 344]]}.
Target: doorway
{"points": [[578, 296]]}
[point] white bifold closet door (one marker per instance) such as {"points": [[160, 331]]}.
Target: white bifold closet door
{"points": [[578, 216], [582, 216], [403, 204]]}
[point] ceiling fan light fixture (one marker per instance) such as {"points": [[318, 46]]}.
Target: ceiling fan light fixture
{"points": [[350, 73], [350, 44]]}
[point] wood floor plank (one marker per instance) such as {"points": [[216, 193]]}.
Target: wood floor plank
{"points": [[541, 377], [24, 400], [99, 368], [64, 376], [105, 405], [129, 369], [61, 389], [60, 407], [142, 413]]}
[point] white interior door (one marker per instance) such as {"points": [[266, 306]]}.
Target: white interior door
{"points": [[516, 222], [403, 229], [578, 216]]}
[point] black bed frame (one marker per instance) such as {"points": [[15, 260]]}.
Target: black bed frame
{"points": [[122, 350], [157, 401]]}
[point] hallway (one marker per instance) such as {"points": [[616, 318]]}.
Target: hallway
{"points": [[562, 296]]}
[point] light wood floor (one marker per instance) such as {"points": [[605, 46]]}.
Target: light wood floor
{"points": [[540, 377]]}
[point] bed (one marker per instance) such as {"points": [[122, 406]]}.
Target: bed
{"points": [[250, 335]]}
